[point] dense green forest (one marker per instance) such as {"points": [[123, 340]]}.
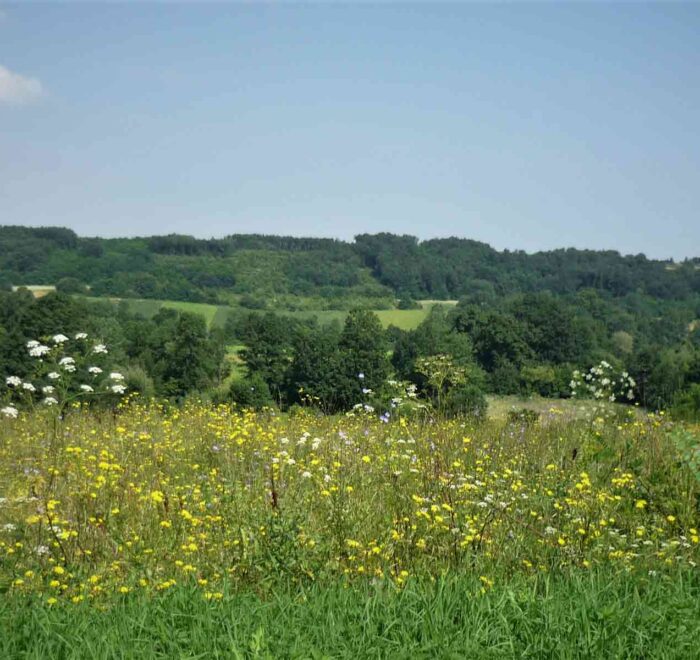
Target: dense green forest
{"points": [[522, 326], [374, 270], [526, 344]]}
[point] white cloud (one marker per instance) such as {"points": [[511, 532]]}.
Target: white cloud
{"points": [[18, 89]]}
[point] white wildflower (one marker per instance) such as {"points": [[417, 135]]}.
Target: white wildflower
{"points": [[99, 348], [81, 335], [9, 411], [39, 351], [115, 375], [29, 387], [50, 401], [59, 339], [118, 389], [48, 389], [13, 381], [86, 388], [54, 375], [94, 370]]}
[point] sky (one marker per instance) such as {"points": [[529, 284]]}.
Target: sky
{"points": [[526, 126]]}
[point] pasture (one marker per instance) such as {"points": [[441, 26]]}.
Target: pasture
{"points": [[216, 315]]}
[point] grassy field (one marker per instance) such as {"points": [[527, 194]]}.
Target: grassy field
{"points": [[344, 536], [216, 315], [38, 290], [594, 615], [500, 406], [213, 314]]}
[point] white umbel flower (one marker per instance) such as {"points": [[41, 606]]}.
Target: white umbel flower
{"points": [[9, 411]]}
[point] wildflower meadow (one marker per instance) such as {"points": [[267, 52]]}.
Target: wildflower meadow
{"points": [[125, 511]]}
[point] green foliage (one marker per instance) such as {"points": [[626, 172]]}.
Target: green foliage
{"points": [[686, 404], [525, 416], [373, 266], [465, 401], [605, 614], [362, 357], [192, 360], [71, 285], [252, 392], [408, 303], [524, 319]]}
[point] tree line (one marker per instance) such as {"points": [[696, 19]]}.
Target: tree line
{"points": [[373, 270], [522, 344]]}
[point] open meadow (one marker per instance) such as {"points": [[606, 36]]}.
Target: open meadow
{"points": [[216, 315], [203, 530]]}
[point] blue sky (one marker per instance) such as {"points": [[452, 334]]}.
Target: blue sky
{"points": [[524, 126]]}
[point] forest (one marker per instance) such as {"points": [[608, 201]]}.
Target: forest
{"points": [[372, 271], [522, 324]]}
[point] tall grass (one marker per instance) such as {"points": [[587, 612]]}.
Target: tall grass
{"points": [[595, 615], [208, 532]]}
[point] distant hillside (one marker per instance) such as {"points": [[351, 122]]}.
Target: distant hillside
{"points": [[254, 270]]}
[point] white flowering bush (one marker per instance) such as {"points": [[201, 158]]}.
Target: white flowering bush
{"points": [[603, 383], [64, 370]]}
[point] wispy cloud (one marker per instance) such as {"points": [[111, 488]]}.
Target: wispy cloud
{"points": [[16, 89]]}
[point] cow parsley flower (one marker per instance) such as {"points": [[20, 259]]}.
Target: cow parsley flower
{"points": [[86, 388], [59, 339], [81, 335], [9, 411], [54, 375], [94, 370], [50, 401], [32, 343], [115, 375], [99, 348], [13, 381], [118, 389], [39, 351], [48, 389], [68, 363], [29, 387]]}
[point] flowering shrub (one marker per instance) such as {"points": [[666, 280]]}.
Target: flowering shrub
{"points": [[64, 370], [604, 383]]}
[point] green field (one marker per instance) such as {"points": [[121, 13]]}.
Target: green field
{"points": [[563, 409], [209, 532], [216, 315], [213, 314], [600, 615]]}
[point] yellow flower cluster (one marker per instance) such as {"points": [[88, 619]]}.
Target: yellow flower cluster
{"points": [[208, 496]]}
